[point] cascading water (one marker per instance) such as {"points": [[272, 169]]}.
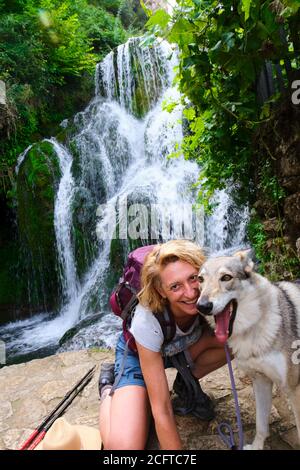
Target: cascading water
{"points": [[227, 225], [121, 187], [63, 223]]}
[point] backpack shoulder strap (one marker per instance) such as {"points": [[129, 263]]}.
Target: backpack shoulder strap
{"points": [[167, 323]]}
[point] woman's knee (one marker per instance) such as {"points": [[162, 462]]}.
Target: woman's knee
{"points": [[124, 442]]}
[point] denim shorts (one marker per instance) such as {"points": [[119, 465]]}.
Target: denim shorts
{"points": [[132, 372]]}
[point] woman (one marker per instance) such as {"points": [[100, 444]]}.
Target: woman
{"points": [[169, 280]]}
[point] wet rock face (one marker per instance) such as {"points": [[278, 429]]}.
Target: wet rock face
{"points": [[289, 178], [292, 211], [36, 184], [3, 106], [281, 219], [7, 114], [289, 164], [2, 93], [272, 226], [298, 247], [287, 153]]}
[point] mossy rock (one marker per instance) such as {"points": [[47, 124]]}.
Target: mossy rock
{"points": [[85, 251], [76, 164], [151, 70], [13, 284], [84, 234], [69, 338], [66, 132], [117, 257], [145, 95], [37, 181]]}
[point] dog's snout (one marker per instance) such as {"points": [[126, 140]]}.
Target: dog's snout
{"points": [[205, 306]]}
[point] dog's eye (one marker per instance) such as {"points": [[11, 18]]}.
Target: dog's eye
{"points": [[226, 277], [200, 279]]}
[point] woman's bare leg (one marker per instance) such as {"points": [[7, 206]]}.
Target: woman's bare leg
{"points": [[124, 419]]}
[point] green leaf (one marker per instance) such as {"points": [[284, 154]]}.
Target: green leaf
{"points": [[189, 113], [181, 32], [246, 8], [169, 105], [160, 18]]}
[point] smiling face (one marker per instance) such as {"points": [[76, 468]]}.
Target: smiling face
{"points": [[180, 286]]}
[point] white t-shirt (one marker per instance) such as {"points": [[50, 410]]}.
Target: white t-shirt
{"points": [[147, 331]]}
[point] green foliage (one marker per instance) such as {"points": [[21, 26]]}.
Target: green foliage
{"points": [[44, 43], [112, 6], [160, 18], [246, 8], [269, 186], [103, 30], [130, 12], [223, 46], [291, 7], [277, 259], [222, 49], [48, 53], [258, 239]]}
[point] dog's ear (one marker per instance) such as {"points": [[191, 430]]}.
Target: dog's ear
{"points": [[246, 259]]}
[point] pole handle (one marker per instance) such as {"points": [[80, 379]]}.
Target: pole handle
{"points": [[29, 440], [37, 440]]}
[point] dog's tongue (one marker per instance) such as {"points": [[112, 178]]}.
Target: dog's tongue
{"points": [[222, 325]]}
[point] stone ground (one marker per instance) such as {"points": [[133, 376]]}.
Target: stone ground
{"points": [[29, 391]]}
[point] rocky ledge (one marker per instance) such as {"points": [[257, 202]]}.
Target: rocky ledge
{"points": [[29, 391]]}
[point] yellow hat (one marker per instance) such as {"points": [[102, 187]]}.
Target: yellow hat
{"points": [[65, 436]]}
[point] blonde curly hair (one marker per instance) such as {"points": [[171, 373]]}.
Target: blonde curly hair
{"points": [[163, 254]]}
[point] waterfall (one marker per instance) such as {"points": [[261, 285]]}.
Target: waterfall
{"points": [[133, 73], [21, 158], [119, 188], [63, 222], [226, 226]]}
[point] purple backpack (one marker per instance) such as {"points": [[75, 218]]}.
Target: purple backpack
{"points": [[124, 297]]}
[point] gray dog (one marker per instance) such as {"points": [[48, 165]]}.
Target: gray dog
{"points": [[261, 321]]}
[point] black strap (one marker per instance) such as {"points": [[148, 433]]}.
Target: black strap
{"points": [[192, 386], [167, 323], [126, 312]]}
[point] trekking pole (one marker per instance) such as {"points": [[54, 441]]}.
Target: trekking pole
{"points": [[67, 399], [41, 435]]}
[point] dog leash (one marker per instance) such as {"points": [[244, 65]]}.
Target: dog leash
{"points": [[229, 439]]}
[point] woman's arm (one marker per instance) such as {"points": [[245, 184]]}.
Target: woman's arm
{"points": [[159, 395]]}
